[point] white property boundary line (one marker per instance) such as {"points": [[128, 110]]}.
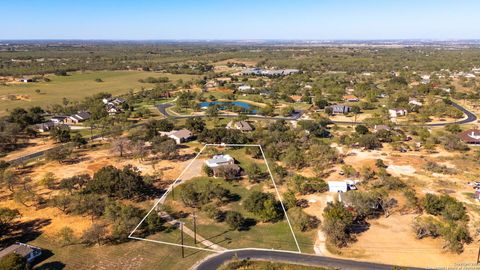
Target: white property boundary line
{"points": [[170, 188]]}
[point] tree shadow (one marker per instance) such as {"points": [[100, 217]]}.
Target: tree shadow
{"points": [[247, 224], [50, 265], [26, 231]]}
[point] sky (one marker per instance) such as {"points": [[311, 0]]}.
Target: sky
{"points": [[239, 19]]}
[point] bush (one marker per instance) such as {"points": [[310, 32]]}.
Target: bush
{"points": [[264, 206], [337, 224], [213, 212], [444, 205], [301, 221], [426, 227], [234, 220]]}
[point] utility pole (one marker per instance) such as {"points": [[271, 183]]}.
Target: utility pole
{"points": [[478, 256], [194, 227], [181, 233]]}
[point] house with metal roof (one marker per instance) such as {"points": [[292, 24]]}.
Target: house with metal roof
{"points": [[26, 251], [220, 160]]}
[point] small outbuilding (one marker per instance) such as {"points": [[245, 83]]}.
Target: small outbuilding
{"points": [[341, 186]]}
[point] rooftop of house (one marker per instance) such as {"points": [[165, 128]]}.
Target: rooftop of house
{"points": [[350, 97], [182, 133], [241, 125], [18, 248], [470, 136], [219, 159]]}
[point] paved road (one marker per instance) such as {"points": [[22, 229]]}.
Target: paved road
{"points": [[162, 108], [470, 116], [216, 261]]}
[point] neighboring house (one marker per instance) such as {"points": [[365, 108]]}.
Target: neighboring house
{"points": [[26, 251], [112, 109], [211, 84], [471, 136], [77, 118], [265, 93], [25, 80], [44, 127], [296, 98], [58, 119], [113, 101], [243, 126], [179, 136], [381, 127], [340, 109], [270, 72], [244, 88], [415, 102], [342, 186], [351, 98], [220, 160], [394, 113]]}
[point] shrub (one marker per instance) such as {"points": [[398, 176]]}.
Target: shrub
{"points": [[234, 220]]}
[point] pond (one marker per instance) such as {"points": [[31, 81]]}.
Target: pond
{"points": [[236, 106]]}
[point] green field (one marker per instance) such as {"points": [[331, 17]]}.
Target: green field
{"points": [[77, 86], [130, 255], [266, 235]]}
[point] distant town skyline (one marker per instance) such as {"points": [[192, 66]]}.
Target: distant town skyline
{"points": [[240, 20]]}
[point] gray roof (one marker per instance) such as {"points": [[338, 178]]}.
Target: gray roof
{"points": [[183, 133], [17, 248]]}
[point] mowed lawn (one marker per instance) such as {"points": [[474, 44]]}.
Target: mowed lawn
{"points": [[77, 86], [262, 235], [134, 254]]}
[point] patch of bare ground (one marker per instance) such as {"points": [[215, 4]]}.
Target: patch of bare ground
{"points": [[392, 241]]}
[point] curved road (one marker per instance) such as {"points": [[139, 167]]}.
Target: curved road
{"points": [[162, 108], [214, 262]]}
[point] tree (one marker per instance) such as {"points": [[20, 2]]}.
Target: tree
{"points": [[60, 133], [300, 220], [7, 215], [168, 148], [369, 141], [94, 235], [125, 184], [361, 129], [78, 140], [48, 180], [195, 124], [154, 223], [289, 199], [234, 220], [254, 172], [337, 223], [120, 145], [10, 179], [13, 261], [264, 206], [67, 236], [212, 111], [59, 153]]}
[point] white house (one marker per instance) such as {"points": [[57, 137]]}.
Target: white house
{"points": [[342, 186], [394, 113], [244, 88], [220, 160], [415, 102]]}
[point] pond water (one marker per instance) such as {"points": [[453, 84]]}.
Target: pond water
{"points": [[231, 105]]}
